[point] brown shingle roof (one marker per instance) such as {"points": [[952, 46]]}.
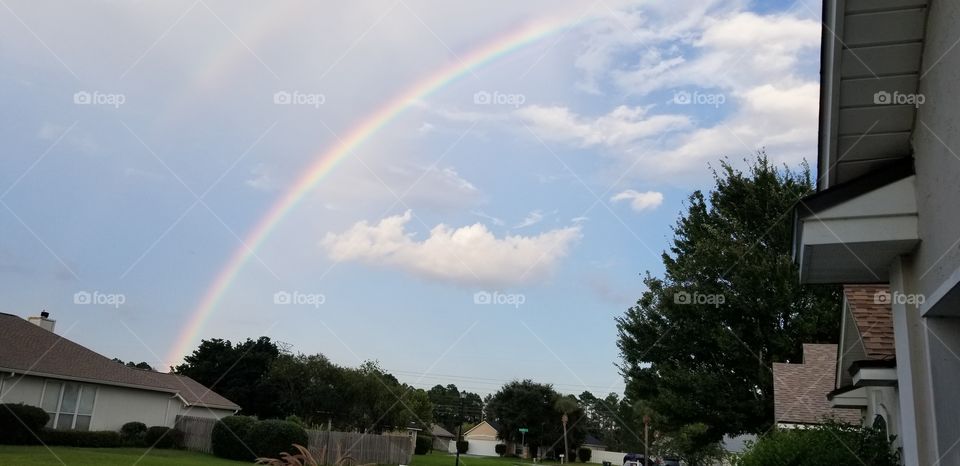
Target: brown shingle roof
{"points": [[800, 390], [26, 348], [870, 306]]}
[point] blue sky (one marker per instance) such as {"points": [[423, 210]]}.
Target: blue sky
{"points": [[560, 193]]}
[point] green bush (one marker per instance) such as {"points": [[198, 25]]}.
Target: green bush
{"points": [[21, 424], [268, 439], [83, 439], [463, 446], [163, 437], [424, 445], [584, 454], [132, 433], [500, 449], [227, 438], [833, 444]]}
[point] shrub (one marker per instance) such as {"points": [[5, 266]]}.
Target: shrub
{"points": [[83, 439], [227, 438], [424, 445], [500, 449], [832, 444], [132, 433], [268, 439], [163, 437], [462, 446], [584, 454], [21, 424]]}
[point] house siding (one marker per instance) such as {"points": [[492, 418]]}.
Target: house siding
{"points": [[114, 406]]}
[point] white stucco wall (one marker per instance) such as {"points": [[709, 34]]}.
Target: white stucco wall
{"points": [[929, 384], [20, 389], [116, 406], [936, 144]]}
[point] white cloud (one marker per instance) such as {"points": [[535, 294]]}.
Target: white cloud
{"points": [[468, 255], [531, 219], [622, 126], [640, 202]]}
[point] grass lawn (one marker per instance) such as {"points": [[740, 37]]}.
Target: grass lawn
{"points": [[17, 455], [446, 459]]}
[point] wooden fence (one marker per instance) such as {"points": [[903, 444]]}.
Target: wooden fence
{"points": [[196, 432], [332, 448], [346, 448]]}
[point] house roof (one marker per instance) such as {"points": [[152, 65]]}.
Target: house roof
{"points": [[800, 390], [870, 307], [26, 348], [590, 439], [437, 430]]}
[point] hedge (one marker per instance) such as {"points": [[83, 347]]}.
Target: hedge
{"points": [[584, 454], [227, 438], [21, 424], [500, 449], [833, 444], [163, 437], [268, 439], [132, 433], [463, 446], [83, 439], [423, 446]]}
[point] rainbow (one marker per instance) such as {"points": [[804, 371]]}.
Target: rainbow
{"points": [[327, 161]]}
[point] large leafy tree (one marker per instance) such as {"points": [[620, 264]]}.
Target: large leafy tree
{"points": [[698, 346], [531, 405], [447, 406], [238, 372]]}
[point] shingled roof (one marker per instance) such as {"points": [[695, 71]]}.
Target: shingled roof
{"points": [[800, 390], [870, 306], [26, 348]]}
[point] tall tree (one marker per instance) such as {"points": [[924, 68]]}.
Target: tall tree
{"points": [[531, 405], [447, 409], [699, 344], [238, 372]]}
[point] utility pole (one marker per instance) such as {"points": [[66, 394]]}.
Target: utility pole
{"points": [[646, 438], [459, 430], [566, 448]]}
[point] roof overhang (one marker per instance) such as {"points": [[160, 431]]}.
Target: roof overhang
{"points": [[867, 373], [870, 65], [852, 232]]}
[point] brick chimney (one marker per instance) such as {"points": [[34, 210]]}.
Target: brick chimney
{"points": [[43, 321]]}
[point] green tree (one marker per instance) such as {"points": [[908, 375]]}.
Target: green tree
{"points": [[699, 344], [446, 404], [238, 372]]}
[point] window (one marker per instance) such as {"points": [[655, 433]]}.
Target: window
{"points": [[69, 404], [880, 424]]}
